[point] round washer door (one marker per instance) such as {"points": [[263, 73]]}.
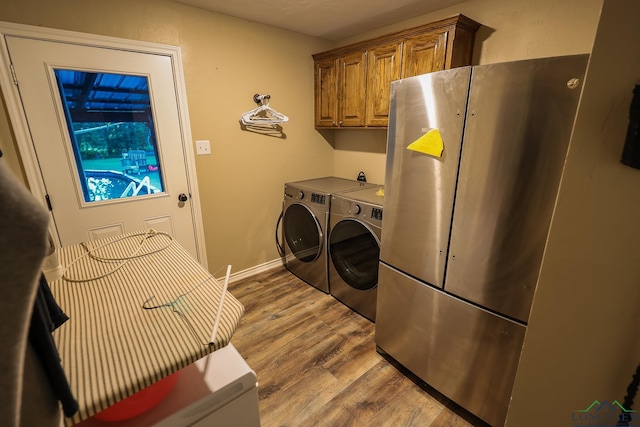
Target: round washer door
{"points": [[355, 252], [302, 232]]}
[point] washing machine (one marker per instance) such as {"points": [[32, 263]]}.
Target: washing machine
{"points": [[305, 222], [354, 248]]}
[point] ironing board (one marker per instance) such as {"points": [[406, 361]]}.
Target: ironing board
{"points": [[151, 317]]}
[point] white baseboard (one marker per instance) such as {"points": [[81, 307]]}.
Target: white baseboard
{"points": [[243, 274]]}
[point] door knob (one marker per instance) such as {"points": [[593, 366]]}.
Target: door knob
{"points": [[183, 197]]}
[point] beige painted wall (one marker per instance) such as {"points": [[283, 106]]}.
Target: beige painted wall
{"points": [[582, 343], [512, 30], [226, 60]]}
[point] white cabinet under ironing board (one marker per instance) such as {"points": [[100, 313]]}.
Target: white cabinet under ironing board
{"points": [[223, 394]]}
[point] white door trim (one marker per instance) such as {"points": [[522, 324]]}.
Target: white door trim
{"points": [[21, 128]]}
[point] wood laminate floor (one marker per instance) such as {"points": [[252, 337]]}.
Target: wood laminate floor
{"points": [[317, 363]]}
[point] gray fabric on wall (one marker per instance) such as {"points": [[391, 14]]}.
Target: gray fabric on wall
{"points": [[46, 315], [23, 242], [39, 406]]}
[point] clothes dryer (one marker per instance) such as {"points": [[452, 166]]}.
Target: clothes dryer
{"points": [[305, 222], [354, 248]]}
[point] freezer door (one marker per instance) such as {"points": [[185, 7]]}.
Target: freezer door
{"points": [[468, 354], [519, 123], [419, 188]]}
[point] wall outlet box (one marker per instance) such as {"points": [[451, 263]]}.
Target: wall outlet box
{"points": [[203, 147]]}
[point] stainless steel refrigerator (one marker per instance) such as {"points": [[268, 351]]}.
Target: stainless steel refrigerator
{"points": [[465, 225]]}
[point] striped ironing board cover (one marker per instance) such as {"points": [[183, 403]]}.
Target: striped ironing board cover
{"points": [[111, 347]]}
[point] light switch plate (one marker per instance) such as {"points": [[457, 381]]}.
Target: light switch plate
{"points": [[203, 147]]}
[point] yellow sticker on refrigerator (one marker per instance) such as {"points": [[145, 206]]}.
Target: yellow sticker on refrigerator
{"points": [[430, 143]]}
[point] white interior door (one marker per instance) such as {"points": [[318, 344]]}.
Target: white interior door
{"points": [[106, 129]]}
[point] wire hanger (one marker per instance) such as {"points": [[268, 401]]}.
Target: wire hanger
{"points": [[263, 114]]}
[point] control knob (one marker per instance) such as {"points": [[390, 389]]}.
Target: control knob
{"points": [[301, 195], [357, 209]]}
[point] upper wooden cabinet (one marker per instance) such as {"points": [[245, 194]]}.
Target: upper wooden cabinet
{"points": [[384, 67], [326, 81], [424, 54], [353, 83], [352, 87]]}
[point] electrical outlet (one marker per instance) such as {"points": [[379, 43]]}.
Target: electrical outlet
{"points": [[203, 147]]}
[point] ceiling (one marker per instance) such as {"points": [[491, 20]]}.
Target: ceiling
{"points": [[329, 19]]}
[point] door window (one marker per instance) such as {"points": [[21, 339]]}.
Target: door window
{"points": [[302, 233], [112, 134], [355, 253]]}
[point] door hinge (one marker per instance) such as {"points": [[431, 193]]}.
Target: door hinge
{"points": [[13, 74], [48, 199]]}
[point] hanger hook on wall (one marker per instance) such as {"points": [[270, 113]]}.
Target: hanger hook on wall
{"points": [[263, 115], [260, 99], [263, 119]]}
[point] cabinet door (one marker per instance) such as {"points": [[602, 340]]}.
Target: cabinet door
{"points": [[326, 93], [352, 82], [424, 54], [383, 68]]}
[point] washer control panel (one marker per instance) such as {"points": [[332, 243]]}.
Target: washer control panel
{"points": [[376, 213], [361, 210]]}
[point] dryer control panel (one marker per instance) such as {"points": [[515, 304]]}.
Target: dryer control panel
{"points": [[297, 194], [318, 198]]}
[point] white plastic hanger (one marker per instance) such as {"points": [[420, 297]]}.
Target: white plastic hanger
{"points": [[263, 115]]}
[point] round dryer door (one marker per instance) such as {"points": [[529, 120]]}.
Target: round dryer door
{"points": [[302, 233], [355, 253]]}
